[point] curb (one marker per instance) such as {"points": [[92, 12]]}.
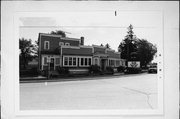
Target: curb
{"points": [[75, 78], [81, 78]]}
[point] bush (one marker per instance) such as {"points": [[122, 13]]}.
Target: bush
{"points": [[44, 72], [121, 69], [29, 72], [63, 70], [110, 70], [94, 69]]}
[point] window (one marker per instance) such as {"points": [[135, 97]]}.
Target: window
{"points": [[67, 44], [85, 61], [57, 61], [82, 61], [61, 43], [46, 45], [111, 62], [74, 61], [45, 60], [70, 61], [96, 61], [89, 61], [66, 61], [117, 63]]}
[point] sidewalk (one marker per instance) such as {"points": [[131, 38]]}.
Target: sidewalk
{"points": [[40, 79]]}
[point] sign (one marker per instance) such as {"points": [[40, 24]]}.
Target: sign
{"points": [[134, 64]]}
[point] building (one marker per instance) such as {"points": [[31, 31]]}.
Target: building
{"points": [[72, 53]]}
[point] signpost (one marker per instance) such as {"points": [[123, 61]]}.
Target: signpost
{"points": [[134, 64], [48, 61]]}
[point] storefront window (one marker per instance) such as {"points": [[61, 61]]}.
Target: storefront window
{"points": [[74, 61], [66, 61], [82, 61], [86, 60], [70, 61], [89, 61]]}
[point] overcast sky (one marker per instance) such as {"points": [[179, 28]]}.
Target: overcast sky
{"points": [[97, 27]]}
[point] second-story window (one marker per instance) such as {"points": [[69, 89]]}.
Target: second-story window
{"points": [[46, 45], [67, 44], [61, 43]]}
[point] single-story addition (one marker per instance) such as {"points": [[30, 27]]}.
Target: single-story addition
{"points": [[72, 53]]}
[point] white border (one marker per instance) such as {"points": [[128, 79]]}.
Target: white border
{"points": [[170, 40], [158, 111]]}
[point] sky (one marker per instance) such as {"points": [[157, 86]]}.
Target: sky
{"points": [[97, 27]]}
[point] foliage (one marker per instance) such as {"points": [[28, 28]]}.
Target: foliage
{"points": [[94, 69], [133, 48], [28, 51], [59, 32], [29, 72], [63, 70], [127, 47], [146, 51], [107, 45], [120, 69], [110, 70]]}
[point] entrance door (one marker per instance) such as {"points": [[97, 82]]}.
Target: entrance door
{"points": [[52, 64], [103, 64]]}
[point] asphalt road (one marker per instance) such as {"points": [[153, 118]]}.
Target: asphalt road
{"points": [[119, 92]]}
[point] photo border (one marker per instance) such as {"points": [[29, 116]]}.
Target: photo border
{"points": [[18, 112]]}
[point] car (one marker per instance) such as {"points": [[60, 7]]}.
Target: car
{"points": [[152, 69]]}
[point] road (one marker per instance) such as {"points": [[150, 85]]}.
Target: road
{"points": [[119, 92]]}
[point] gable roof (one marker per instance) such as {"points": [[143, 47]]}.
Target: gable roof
{"points": [[59, 36]]}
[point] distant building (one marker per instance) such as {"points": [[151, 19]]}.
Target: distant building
{"points": [[72, 53]]}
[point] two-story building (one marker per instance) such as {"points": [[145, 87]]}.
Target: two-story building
{"points": [[72, 53]]}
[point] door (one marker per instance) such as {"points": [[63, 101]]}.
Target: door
{"points": [[103, 64], [52, 64]]}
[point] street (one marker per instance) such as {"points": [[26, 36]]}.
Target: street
{"points": [[136, 91]]}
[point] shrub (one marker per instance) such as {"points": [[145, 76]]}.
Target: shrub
{"points": [[63, 70], [121, 69], [29, 72], [94, 69], [110, 70]]}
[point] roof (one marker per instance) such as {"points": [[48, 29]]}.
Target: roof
{"points": [[113, 54], [77, 51], [64, 38]]}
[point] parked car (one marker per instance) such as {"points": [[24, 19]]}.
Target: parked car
{"points": [[152, 69]]}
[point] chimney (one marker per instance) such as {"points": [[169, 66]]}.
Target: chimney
{"points": [[82, 41]]}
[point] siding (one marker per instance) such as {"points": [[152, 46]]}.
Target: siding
{"points": [[73, 51], [54, 42]]}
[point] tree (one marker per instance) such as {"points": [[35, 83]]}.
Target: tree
{"points": [[101, 45], [107, 45], [59, 32], [27, 51], [146, 51], [133, 48], [128, 45]]}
